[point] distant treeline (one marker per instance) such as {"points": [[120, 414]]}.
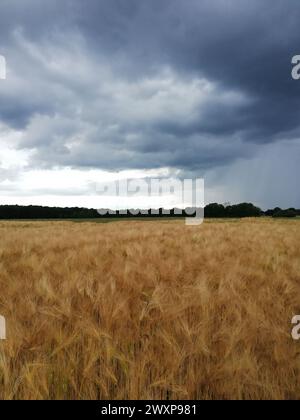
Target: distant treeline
{"points": [[246, 210], [215, 210]]}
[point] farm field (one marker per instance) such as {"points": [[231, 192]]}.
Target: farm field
{"points": [[150, 310]]}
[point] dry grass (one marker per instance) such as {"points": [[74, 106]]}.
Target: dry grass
{"points": [[150, 310]]}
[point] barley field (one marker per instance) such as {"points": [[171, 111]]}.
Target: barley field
{"points": [[150, 310]]}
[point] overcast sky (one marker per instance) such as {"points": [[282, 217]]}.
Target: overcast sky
{"points": [[102, 89]]}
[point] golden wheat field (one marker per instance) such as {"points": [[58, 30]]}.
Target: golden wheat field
{"points": [[150, 310]]}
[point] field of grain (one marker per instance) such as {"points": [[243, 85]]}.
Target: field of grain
{"points": [[150, 310]]}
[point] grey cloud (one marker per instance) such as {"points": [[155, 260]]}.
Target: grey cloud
{"points": [[116, 84]]}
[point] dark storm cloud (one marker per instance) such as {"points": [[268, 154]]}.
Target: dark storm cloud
{"points": [[119, 84], [242, 45]]}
